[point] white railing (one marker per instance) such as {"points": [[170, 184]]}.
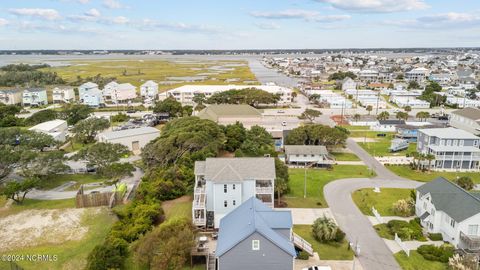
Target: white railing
{"points": [[264, 190], [199, 190], [377, 215], [402, 245], [199, 221], [302, 244]]}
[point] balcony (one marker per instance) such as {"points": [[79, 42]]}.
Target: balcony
{"points": [[199, 200], [199, 221], [199, 190], [264, 190], [470, 242]]}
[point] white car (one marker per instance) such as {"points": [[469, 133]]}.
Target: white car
{"points": [[280, 111], [316, 267], [284, 123]]}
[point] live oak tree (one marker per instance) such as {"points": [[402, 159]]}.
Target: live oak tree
{"points": [[251, 96], [101, 155], [115, 172], [310, 114], [317, 135], [169, 105], [17, 190], [86, 130]]}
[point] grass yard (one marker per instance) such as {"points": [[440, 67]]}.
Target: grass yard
{"points": [[180, 207], [345, 156], [137, 72], [326, 251], [357, 128], [316, 180], [381, 145], [29, 204], [55, 180], [72, 254], [383, 201], [368, 134], [406, 172], [417, 262]]}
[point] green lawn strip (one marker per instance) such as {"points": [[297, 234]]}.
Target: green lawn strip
{"points": [[345, 156], [406, 172], [383, 201], [316, 180], [369, 134], [383, 231], [357, 128], [179, 209], [29, 204], [417, 262], [72, 254], [326, 251], [387, 232], [381, 147], [55, 180]]}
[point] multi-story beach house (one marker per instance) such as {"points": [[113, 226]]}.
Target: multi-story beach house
{"points": [[222, 184], [34, 96], [453, 149]]}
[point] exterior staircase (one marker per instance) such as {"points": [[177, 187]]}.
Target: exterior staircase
{"points": [[302, 244], [211, 261]]}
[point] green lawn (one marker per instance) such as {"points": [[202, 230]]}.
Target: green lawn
{"points": [[368, 134], [345, 156], [326, 251], [137, 72], [383, 231], [381, 146], [181, 207], [353, 128], [417, 262], [316, 180], [55, 180], [383, 201], [407, 172], [72, 254], [28, 204]]}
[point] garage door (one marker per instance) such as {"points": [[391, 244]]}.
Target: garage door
{"points": [[135, 146]]}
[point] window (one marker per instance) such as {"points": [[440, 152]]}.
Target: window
{"points": [[234, 203], [452, 223], [455, 142], [449, 142], [225, 203], [475, 143], [255, 244], [224, 188], [472, 229], [233, 186]]}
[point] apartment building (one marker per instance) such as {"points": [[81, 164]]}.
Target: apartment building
{"points": [[454, 149]]}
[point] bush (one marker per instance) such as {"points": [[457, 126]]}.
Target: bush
{"points": [[339, 236], [433, 253], [324, 229], [109, 255], [404, 207], [435, 236], [121, 117], [406, 230], [465, 182], [303, 255]]}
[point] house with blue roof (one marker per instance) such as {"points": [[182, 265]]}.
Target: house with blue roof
{"points": [[254, 236]]}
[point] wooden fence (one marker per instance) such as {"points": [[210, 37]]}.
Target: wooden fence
{"points": [[97, 199]]}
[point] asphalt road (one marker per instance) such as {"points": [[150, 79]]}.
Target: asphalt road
{"points": [[374, 253]]}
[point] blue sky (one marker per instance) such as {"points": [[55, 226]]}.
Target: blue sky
{"points": [[237, 24]]}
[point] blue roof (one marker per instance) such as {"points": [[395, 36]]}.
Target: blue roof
{"points": [[250, 217]]}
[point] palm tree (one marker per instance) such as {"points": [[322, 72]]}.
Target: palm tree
{"points": [[430, 158], [324, 229], [414, 155], [369, 109], [407, 109], [383, 115]]}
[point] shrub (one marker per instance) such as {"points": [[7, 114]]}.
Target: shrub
{"points": [[433, 253], [406, 230], [404, 207], [324, 229], [121, 117], [303, 255], [109, 255], [339, 236], [465, 182], [435, 236]]}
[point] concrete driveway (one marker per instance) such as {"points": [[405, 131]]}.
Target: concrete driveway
{"points": [[306, 216]]}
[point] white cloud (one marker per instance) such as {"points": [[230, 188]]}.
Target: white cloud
{"points": [[47, 14], [3, 22], [299, 14], [113, 4], [83, 1], [120, 20], [93, 13], [372, 6], [267, 25], [148, 24], [440, 21]]}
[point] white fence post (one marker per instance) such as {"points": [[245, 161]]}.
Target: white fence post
{"points": [[402, 245], [377, 215]]}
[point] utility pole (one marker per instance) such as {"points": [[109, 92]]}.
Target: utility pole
{"points": [[378, 99]]}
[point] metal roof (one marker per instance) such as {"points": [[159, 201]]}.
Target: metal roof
{"points": [[305, 150], [448, 133], [250, 217], [213, 112], [49, 125], [450, 198], [236, 169], [111, 135], [470, 113]]}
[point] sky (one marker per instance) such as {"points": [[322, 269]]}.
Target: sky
{"points": [[238, 24]]}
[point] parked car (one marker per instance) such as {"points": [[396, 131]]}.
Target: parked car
{"points": [[284, 123], [317, 267], [280, 111]]}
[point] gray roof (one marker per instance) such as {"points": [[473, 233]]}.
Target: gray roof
{"points": [[305, 150], [451, 199], [448, 133], [213, 112], [250, 217], [111, 135], [470, 113], [236, 169]]}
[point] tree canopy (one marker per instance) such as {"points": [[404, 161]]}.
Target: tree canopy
{"points": [[101, 155], [169, 105], [431, 95], [317, 135], [251, 96], [340, 75], [86, 130], [26, 75]]}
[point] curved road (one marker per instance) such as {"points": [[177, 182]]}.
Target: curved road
{"points": [[374, 253]]}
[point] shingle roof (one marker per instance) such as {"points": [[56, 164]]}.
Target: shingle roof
{"points": [[250, 217], [213, 112], [305, 150], [236, 169], [451, 199], [470, 113]]}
